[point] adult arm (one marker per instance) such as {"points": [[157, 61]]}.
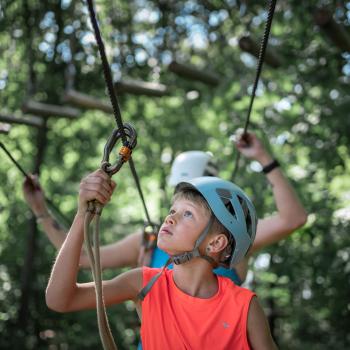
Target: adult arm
{"points": [[258, 330], [63, 292], [290, 212], [123, 253], [34, 196]]}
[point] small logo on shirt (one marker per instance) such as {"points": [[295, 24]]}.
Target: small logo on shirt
{"points": [[225, 325]]}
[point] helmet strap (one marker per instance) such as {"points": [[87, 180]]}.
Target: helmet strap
{"points": [[182, 258], [145, 290], [195, 253]]}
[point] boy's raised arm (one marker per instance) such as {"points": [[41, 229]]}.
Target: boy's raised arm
{"points": [[258, 329], [63, 293], [62, 288]]}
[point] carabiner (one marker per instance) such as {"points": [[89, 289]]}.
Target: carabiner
{"points": [[124, 152], [94, 206]]}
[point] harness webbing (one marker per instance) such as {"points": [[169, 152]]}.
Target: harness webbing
{"points": [[260, 63]]}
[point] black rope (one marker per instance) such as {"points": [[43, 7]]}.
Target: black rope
{"points": [[113, 98], [26, 175], [14, 160], [107, 71], [138, 185], [260, 63]]}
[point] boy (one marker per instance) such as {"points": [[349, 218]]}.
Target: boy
{"points": [[211, 222]]}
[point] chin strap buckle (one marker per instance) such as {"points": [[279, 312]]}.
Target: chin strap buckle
{"points": [[185, 257]]}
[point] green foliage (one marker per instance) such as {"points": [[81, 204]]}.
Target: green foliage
{"points": [[301, 109]]}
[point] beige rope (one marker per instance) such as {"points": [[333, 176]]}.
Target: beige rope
{"points": [[93, 213], [93, 252]]}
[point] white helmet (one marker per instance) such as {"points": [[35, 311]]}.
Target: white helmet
{"points": [[191, 164]]}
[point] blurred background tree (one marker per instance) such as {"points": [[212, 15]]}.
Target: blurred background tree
{"points": [[48, 48]]}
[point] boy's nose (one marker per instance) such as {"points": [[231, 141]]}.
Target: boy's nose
{"points": [[170, 219]]}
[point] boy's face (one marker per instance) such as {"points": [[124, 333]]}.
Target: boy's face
{"points": [[181, 228]]}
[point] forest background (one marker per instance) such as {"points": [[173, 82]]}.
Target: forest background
{"points": [[301, 109]]}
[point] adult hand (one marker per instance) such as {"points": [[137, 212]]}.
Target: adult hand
{"points": [[251, 147], [96, 186], [34, 195]]}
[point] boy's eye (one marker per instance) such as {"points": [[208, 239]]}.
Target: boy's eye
{"points": [[171, 211], [188, 214]]}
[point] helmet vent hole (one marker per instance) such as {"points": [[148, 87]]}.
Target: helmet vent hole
{"points": [[226, 197], [224, 193], [229, 207], [248, 219]]}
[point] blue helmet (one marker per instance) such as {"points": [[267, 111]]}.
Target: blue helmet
{"points": [[232, 207]]}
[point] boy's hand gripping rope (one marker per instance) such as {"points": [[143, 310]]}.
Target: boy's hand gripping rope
{"points": [[94, 211], [124, 155]]}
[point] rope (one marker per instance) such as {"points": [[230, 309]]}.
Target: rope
{"points": [[138, 185], [26, 175], [114, 100], [94, 257], [260, 63], [106, 71], [94, 211]]}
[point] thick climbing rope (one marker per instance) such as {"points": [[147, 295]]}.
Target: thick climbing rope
{"points": [[93, 212], [51, 205], [260, 63]]}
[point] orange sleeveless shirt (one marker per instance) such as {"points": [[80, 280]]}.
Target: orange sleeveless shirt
{"points": [[173, 320]]}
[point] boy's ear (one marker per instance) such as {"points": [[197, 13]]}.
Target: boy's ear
{"points": [[217, 244]]}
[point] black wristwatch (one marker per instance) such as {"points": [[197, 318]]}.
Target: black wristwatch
{"points": [[269, 167]]}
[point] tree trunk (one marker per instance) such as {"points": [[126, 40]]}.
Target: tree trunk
{"points": [[335, 31]]}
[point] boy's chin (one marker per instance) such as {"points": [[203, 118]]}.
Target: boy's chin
{"points": [[163, 246], [166, 249]]}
